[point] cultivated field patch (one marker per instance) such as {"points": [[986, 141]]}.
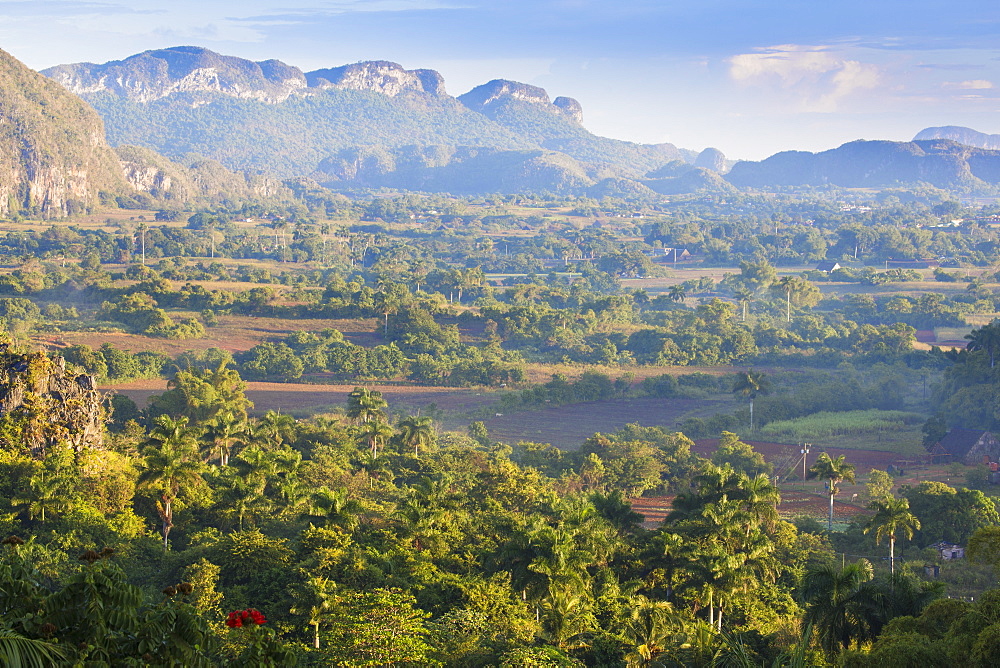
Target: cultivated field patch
{"points": [[567, 427]]}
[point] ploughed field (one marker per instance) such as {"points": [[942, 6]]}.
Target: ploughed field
{"points": [[568, 426], [794, 503]]}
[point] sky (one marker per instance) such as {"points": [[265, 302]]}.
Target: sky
{"points": [[748, 77]]}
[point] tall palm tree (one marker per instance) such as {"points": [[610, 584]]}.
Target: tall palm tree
{"points": [[51, 492], [364, 405], [415, 432], [749, 384], [841, 604], [375, 434], [222, 434], [834, 471], [744, 296], [374, 467], [313, 600], [274, 429], [788, 285], [986, 338], [892, 516], [171, 464], [677, 293], [650, 627]]}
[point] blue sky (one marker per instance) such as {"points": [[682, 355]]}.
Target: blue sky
{"points": [[748, 77]]}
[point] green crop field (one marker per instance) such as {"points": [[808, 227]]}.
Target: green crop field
{"points": [[891, 431]]}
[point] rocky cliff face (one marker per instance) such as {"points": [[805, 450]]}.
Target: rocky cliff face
{"points": [[379, 76], [152, 75], [49, 404], [54, 160], [202, 180], [491, 97], [713, 159]]}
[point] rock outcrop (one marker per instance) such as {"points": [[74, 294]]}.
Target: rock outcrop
{"points": [[489, 98], [713, 159], [152, 75], [46, 404], [380, 76]]}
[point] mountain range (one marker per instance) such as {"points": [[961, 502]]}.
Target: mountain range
{"points": [[369, 124], [192, 126]]}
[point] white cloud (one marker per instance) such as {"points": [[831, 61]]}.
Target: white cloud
{"points": [[816, 77], [975, 84]]}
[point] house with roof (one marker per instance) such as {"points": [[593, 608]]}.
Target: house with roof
{"points": [[969, 446], [948, 551], [827, 266]]}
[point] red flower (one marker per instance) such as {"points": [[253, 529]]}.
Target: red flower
{"points": [[237, 618]]}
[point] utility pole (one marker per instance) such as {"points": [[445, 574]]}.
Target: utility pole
{"points": [[805, 452]]}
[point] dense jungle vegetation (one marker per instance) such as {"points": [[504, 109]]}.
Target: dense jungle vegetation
{"points": [[204, 532]]}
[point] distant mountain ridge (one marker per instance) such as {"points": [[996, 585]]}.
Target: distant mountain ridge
{"points": [[271, 118], [942, 163], [962, 135]]}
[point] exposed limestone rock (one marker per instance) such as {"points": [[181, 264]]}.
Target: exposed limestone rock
{"points": [[152, 75], [45, 404], [380, 76], [570, 107], [489, 98], [54, 160], [712, 158]]}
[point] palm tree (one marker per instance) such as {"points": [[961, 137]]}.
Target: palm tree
{"points": [[840, 604], [364, 405], [986, 338], [650, 627], [375, 434], [834, 471], [50, 492], [788, 284], [374, 466], [223, 433], [891, 517], [744, 296], [274, 430], [334, 506], [16, 650], [415, 432], [171, 464], [313, 600], [749, 384], [677, 293]]}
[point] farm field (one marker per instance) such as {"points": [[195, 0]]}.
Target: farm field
{"points": [[303, 399], [566, 427], [785, 456], [794, 503], [233, 333]]}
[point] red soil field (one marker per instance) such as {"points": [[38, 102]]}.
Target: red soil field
{"points": [[305, 399], [794, 503]]}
